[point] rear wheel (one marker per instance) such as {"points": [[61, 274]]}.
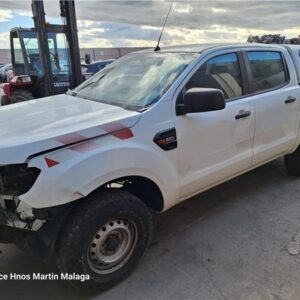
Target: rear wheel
{"points": [[292, 162], [105, 237], [21, 95]]}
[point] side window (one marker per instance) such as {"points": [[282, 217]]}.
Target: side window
{"points": [[221, 72], [267, 69], [17, 51]]}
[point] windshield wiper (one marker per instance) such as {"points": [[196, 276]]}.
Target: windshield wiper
{"points": [[92, 82], [142, 109]]}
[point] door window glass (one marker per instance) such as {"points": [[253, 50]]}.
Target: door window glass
{"points": [[267, 69], [32, 51], [59, 52], [17, 51], [221, 72]]}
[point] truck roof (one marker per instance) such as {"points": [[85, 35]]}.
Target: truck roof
{"points": [[199, 48], [291, 46]]}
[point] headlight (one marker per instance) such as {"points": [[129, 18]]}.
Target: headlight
{"points": [[17, 179]]}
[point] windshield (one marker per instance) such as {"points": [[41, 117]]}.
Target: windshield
{"points": [[135, 81]]}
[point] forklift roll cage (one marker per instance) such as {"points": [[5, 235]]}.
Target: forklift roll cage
{"points": [[26, 59], [48, 53], [21, 33]]}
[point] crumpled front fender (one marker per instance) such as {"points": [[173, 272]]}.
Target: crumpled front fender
{"points": [[76, 175]]}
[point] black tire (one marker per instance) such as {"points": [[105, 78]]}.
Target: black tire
{"points": [[292, 162], [4, 100], [87, 221], [21, 95]]}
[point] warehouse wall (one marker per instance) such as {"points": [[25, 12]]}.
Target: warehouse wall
{"points": [[106, 53], [4, 56], [95, 53]]}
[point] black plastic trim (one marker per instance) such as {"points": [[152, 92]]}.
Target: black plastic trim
{"points": [[166, 139]]}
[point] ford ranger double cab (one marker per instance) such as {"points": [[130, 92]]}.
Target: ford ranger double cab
{"points": [[81, 173]]}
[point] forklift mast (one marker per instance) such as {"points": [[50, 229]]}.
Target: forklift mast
{"points": [[68, 13], [70, 29]]}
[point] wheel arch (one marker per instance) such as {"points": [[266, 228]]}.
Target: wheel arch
{"points": [[142, 187]]}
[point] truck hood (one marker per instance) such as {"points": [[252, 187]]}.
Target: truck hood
{"points": [[39, 125]]}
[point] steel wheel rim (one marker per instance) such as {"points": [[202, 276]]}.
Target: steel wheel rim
{"points": [[112, 246]]}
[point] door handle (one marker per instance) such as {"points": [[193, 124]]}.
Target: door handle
{"points": [[290, 99], [243, 114]]}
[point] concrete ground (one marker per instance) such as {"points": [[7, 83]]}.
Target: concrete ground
{"points": [[238, 241]]}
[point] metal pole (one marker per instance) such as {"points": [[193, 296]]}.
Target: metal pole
{"points": [[94, 54], [68, 13], [40, 26]]}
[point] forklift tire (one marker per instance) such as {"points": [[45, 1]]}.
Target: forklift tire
{"points": [[4, 100], [21, 95], [292, 162], [104, 239]]}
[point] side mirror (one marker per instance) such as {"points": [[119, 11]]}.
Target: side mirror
{"points": [[197, 100]]}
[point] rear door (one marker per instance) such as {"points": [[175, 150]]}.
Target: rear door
{"points": [[275, 94]]}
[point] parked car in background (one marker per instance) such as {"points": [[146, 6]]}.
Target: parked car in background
{"points": [[94, 67], [83, 68], [3, 72], [98, 65]]}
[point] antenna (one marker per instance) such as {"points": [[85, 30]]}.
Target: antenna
{"points": [[157, 48]]}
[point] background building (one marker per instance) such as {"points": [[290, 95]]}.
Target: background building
{"points": [[95, 53]]}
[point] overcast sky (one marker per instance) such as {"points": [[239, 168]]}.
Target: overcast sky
{"points": [[137, 23]]}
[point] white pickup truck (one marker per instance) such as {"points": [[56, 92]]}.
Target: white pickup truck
{"points": [[80, 173]]}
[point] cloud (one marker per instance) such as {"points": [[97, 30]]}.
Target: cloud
{"points": [[138, 23], [5, 15], [4, 40], [267, 15], [190, 14], [25, 13], [106, 34]]}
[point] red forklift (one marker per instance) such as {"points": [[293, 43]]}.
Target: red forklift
{"points": [[45, 59]]}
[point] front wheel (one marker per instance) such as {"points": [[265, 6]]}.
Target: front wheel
{"points": [[104, 238]]}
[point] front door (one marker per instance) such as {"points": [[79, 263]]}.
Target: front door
{"points": [[216, 145]]}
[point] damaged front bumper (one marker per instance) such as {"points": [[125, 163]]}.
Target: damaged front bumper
{"points": [[29, 228], [37, 234]]}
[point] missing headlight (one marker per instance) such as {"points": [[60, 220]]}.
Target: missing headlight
{"points": [[17, 179]]}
